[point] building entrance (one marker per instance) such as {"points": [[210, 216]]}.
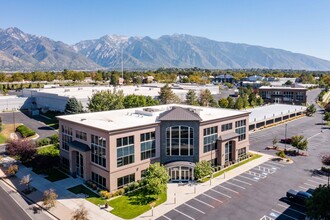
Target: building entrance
{"points": [[180, 171]]}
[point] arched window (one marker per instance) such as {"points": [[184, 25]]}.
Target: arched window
{"points": [[179, 141]]}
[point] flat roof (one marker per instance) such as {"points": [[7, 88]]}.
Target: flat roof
{"points": [[134, 117], [281, 87], [271, 111]]}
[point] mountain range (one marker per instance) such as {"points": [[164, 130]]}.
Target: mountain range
{"points": [[21, 51]]}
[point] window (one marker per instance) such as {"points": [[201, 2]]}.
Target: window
{"points": [[125, 151], [148, 145], [99, 180], [241, 129], [81, 135], [210, 138], [228, 151], [66, 137], [300, 96], [227, 127], [179, 141], [98, 150], [65, 164], [122, 181], [241, 152]]}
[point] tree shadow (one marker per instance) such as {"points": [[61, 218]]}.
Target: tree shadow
{"points": [[140, 198]]}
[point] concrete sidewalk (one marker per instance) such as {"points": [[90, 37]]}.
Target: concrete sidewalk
{"points": [[184, 193]]}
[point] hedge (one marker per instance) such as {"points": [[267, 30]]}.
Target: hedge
{"points": [[25, 131], [43, 142]]}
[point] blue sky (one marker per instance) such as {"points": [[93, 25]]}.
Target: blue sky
{"points": [[297, 25]]}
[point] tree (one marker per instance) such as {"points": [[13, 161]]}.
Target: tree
{"points": [[239, 104], [325, 159], [245, 101], [326, 116], [299, 142], [25, 149], [49, 198], [156, 179], [203, 169], [106, 100], [191, 98], [231, 102], [223, 103], [150, 101], [73, 106], [205, 98], [311, 109], [288, 83], [26, 180], [167, 96], [318, 206], [80, 214], [12, 170], [260, 101], [133, 101], [114, 79]]}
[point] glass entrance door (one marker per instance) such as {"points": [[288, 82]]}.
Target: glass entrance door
{"points": [[175, 174], [79, 165]]}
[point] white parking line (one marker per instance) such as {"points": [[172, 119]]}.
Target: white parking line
{"points": [[304, 188], [265, 217], [203, 202], [212, 197], [184, 214], [272, 167], [220, 193], [283, 214], [194, 208], [236, 185], [248, 178], [288, 207], [166, 217], [313, 136], [313, 181], [319, 178], [242, 181], [310, 185], [229, 189], [275, 164]]}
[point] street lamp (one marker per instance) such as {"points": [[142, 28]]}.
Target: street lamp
{"points": [[286, 130]]}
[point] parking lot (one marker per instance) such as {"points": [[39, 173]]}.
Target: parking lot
{"points": [[218, 196]]}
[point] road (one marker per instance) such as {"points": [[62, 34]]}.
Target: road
{"points": [[247, 197], [9, 210], [39, 127]]}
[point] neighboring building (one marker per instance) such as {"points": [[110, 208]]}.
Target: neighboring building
{"points": [[225, 78], [114, 148], [13, 103], [285, 95], [255, 78]]}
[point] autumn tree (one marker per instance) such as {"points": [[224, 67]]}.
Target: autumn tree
{"points": [[26, 180], [80, 214], [49, 198], [12, 170], [25, 149]]}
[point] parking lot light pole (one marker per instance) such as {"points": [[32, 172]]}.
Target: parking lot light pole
{"points": [[286, 130]]}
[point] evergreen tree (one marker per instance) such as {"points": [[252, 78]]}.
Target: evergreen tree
{"points": [[231, 102], [239, 104], [167, 96], [191, 98], [206, 98], [73, 106], [245, 101], [260, 101]]}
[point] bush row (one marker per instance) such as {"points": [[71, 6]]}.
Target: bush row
{"points": [[25, 131], [54, 139]]}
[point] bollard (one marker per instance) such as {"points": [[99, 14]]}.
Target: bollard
{"points": [[152, 211], [195, 189], [174, 198]]}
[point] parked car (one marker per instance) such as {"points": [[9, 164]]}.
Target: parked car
{"points": [[298, 196], [286, 141]]}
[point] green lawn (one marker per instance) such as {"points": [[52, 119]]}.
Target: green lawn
{"points": [[131, 206], [92, 197], [3, 139], [50, 150], [255, 156], [56, 175]]}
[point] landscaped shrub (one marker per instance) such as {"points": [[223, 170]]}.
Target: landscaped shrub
{"points": [[281, 154], [324, 169], [25, 131], [43, 142], [54, 139], [12, 170]]}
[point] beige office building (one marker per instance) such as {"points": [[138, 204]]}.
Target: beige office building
{"points": [[114, 148]]}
